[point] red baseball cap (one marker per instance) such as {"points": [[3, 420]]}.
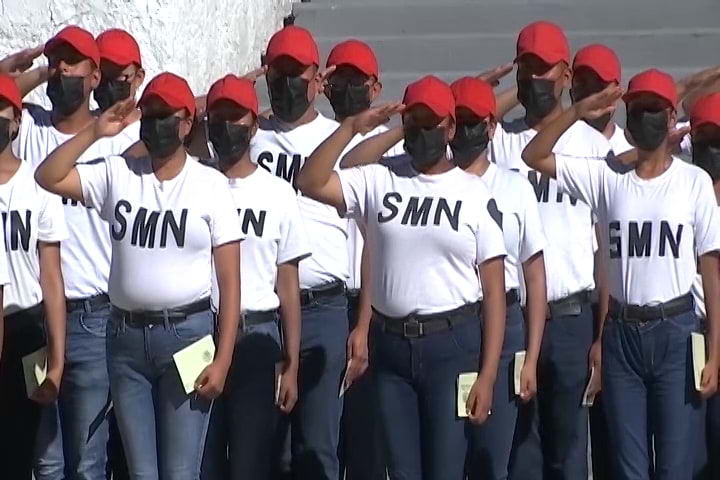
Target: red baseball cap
{"points": [[655, 82], [10, 92], [546, 40], [706, 110], [79, 39], [294, 42], [475, 95], [235, 89], [356, 54], [433, 93], [119, 47], [172, 90], [600, 59]]}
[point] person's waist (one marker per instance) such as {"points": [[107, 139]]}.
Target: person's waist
{"points": [[656, 311], [258, 317], [87, 304], [22, 318], [308, 295], [419, 325], [146, 318], [570, 305]]}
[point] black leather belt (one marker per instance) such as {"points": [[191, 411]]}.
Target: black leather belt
{"points": [[308, 295], [258, 317], [89, 304], [147, 318], [570, 305], [415, 326], [647, 313]]}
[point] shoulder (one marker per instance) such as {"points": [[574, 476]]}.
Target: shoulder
{"points": [[581, 140], [37, 115], [691, 172], [273, 184], [205, 173], [512, 127]]}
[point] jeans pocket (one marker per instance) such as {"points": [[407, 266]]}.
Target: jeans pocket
{"points": [[194, 327], [685, 323], [94, 323], [467, 336]]}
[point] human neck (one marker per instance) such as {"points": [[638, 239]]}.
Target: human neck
{"points": [[653, 164], [169, 167], [609, 130], [307, 117], [243, 168], [9, 164], [73, 123], [442, 166], [480, 165], [540, 123]]}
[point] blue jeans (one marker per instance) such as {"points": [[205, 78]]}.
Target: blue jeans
{"points": [[648, 389], [713, 436], [162, 428], [492, 441], [243, 420], [73, 435], [314, 424], [551, 435], [417, 387], [19, 416], [361, 450]]}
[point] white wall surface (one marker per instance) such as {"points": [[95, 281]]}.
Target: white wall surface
{"points": [[200, 40]]}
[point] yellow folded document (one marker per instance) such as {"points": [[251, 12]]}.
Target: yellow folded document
{"points": [[699, 357], [192, 360], [465, 383], [35, 370], [518, 365]]}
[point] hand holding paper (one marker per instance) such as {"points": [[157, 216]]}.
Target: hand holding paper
{"points": [[195, 366]]}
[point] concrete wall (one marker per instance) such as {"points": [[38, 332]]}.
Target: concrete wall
{"points": [[198, 39]]}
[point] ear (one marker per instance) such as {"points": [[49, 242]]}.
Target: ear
{"points": [[186, 127], [139, 78], [375, 91], [95, 77], [451, 130], [254, 128], [566, 77], [492, 125], [672, 119]]}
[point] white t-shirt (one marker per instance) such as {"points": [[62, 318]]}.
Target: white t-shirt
{"points": [[699, 295], [274, 234], [85, 254], [653, 226], [618, 142], [162, 232], [30, 215], [355, 239], [521, 224], [567, 223], [427, 234], [283, 153], [686, 142]]}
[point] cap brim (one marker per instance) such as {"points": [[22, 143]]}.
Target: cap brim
{"points": [[630, 96], [702, 123], [432, 108], [604, 77], [547, 58]]}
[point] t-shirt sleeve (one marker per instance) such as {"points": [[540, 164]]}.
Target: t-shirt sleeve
{"points": [[355, 183], [489, 239], [95, 182], [532, 235], [686, 142], [581, 177], [707, 218], [224, 224], [51, 221], [294, 244]]}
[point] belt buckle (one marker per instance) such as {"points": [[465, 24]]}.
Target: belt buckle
{"points": [[412, 329]]}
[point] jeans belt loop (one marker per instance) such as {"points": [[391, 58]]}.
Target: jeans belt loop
{"points": [[166, 319]]}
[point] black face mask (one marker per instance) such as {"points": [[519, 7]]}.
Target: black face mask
{"points": [[471, 139], [537, 95], [161, 135], [66, 93], [288, 97], [5, 137], [598, 124], [425, 146], [707, 157], [348, 100], [647, 129], [229, 140], [110, 92]]}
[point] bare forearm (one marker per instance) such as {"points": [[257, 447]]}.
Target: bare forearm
{"points": [[372, 150], [536, 307], [53, 290], [506, 101], [494, 316], [365, 303], [710, 271], [58, 165], [289, 293], [227, 261], [603, 292], [30, 80], [319, 167]]}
